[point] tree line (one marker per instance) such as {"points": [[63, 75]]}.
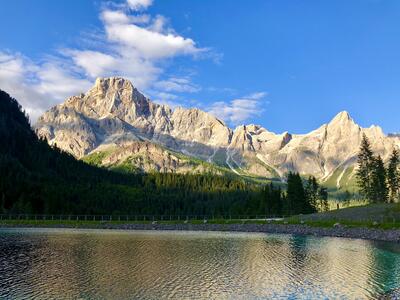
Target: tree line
{"points": [[378, 183], [37, 178]]}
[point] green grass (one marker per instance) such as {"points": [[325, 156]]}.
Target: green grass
{"points": [[350, 224], [384, 216], [95, 159]]}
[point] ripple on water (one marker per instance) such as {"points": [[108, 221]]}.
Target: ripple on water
{"points": [[90, 264]]}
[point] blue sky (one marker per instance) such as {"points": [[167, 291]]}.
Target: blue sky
{"points": [[287, 65]]}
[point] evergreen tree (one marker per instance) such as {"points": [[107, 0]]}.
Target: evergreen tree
{"points": [[317, 195], [273, 200], [298, 202], [323, 199], [311, 189], [267, 201], [393, 176], [346, 197], [365, 167], [2, 204], [379, 190]]}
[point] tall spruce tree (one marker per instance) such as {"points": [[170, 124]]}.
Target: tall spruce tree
{"points": [[317, 195], [298, 202], [365, 167], [311, 190], [393, 177], [273, 200], [323, 199], [379, 188]]}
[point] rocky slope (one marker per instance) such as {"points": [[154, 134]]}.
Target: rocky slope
{"points": [[138, 156], [115, 119]]}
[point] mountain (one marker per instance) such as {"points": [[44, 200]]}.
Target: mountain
{"points": [[36, 178], [113, 114], [113, 125]]}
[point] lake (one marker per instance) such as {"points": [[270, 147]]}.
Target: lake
{"points": [[113, 264]]}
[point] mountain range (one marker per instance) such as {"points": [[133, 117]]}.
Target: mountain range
{"points": [[116, 126]]}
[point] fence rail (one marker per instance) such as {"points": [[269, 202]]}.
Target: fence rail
{"points": [[150, 218], [105, 218]]}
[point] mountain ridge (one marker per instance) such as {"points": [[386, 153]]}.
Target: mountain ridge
{"points": [[114, 113]]}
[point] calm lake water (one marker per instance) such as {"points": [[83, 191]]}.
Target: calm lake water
{"points": [[95, 264]]}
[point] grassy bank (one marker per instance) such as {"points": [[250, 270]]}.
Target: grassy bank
{"points": [[382, 216]]}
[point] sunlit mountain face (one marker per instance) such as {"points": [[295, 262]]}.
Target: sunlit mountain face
{"points": [[114, 124]]}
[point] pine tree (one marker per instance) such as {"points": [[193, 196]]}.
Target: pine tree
{"points": [[365, 167], [323, 199], [379, 190], [311, 189], [393, 177], [298, 202], [346, 197], [2, 197]]}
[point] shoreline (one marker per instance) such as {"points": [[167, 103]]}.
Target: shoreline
{"points": [[388, 235]]}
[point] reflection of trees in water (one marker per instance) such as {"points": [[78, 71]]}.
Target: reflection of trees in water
{"points": [[17, 255], [385, 267], [298, 249], [26, 265]]}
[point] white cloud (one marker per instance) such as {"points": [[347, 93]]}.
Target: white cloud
{"points": [[159, 24], [237, 111], [59, 82], [35, 86], [175, 84], [148, 42], [93, 62], [134, 45], [165, 96], [139, 4], [115, 17], [256, 96]]}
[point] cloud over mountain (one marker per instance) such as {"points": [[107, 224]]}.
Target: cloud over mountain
{"points": [[130, 44], [241, 109]]}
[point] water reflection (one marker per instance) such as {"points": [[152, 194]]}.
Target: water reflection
{"points": [[65, 264]]}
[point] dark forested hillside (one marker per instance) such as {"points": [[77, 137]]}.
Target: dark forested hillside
{"points": [[37, 178]]}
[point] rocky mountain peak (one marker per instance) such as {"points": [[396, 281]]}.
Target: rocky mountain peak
{"points": [[114, 83], [342, 118]]}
